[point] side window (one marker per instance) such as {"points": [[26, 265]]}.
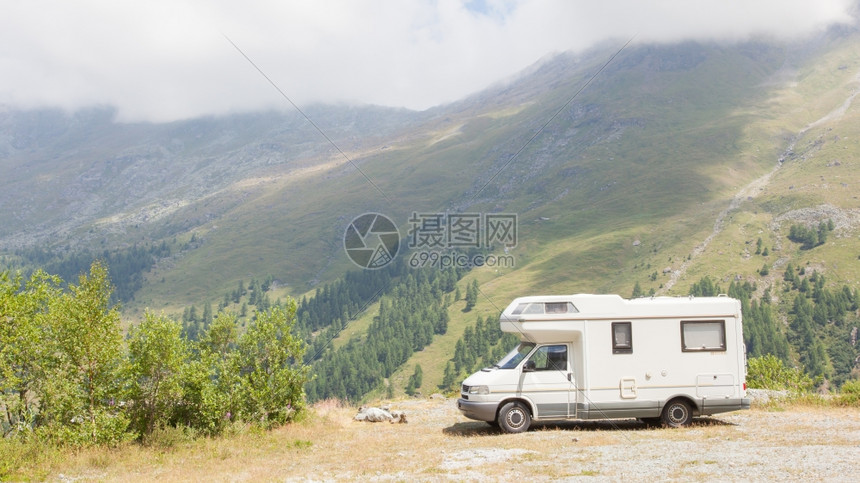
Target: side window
{"points": [[622, 338], [550, 358], [707, 335], [560, 308], [534, 309]]}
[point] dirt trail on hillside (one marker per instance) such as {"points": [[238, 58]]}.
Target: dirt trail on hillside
{"points": [[754, 188]]}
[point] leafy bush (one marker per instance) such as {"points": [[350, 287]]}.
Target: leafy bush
{"points": [[165, 436], [210, 381], [104, 429], [769, 372], [23, 459], [849, 395], [69, 379], [156, 355], [271, 369]]}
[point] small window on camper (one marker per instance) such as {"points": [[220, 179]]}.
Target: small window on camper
{"points": [[622, 338], [534, 309], [545, 308], [560, 308], [520, 308], [709, 335]]}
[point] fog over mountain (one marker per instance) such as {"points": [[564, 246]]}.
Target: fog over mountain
{"points": [[169, 60]]}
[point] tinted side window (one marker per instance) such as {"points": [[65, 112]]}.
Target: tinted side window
{"points": [[622, 338]]}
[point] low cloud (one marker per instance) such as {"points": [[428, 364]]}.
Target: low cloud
{"points": [[167, 60]]}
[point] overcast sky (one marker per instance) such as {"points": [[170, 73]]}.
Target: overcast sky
{"points": [[166, 60]]}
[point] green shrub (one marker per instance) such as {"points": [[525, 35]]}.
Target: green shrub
{"points": [[211, 381], [769, 372], [154, 368], [25, 459], [68, 378], [166, 436], [106, 429], [271, 369], [849, 395]]}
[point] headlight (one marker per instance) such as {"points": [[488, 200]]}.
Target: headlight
{"points": [[479, 390]]}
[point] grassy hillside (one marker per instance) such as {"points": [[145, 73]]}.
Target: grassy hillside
{"points": [[620, 158]]}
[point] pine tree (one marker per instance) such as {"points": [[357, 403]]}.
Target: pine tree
{"points": [[207, 315], [192, 314], [448, 379], [415, 380], [471, 295]]}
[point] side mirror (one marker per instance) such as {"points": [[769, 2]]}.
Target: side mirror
{"points": [[529, 366]]}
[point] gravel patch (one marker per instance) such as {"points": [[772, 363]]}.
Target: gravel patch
{"points": [[797, 444], [481, 456]]}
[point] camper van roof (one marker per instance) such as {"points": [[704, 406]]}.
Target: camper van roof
{"points": [[585, 306]]}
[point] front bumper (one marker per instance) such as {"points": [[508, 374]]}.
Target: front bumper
{"points": [[479, 411]]}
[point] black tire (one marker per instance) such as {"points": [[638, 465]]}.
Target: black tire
{"points": [[514, 417], [677, 413]]}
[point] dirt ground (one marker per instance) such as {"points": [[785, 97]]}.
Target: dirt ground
{"points": [[438, 444]]}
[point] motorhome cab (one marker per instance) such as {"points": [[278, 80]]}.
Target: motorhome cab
{"points": [[601, 357]]}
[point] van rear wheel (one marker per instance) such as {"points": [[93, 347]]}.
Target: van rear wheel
{"points": [[677, 414], [514, 418]]}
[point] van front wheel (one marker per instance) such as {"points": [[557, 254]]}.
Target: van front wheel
{"points": [[514, 418], [677, 413]]}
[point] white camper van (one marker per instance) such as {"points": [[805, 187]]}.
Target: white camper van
{"points": [[601, 357]]}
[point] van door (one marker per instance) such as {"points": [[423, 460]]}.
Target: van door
{"points": [[547, 380]]}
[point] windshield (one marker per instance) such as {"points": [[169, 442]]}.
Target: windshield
{"points": [[514, 357]]}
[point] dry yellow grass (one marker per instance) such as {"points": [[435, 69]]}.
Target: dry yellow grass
{"points": [[438, 444]]}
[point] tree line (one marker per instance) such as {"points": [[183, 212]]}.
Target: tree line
{"points": [[411, 312], [127, 266]]}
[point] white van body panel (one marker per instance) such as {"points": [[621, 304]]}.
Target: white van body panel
{"points": [[625, 358]]}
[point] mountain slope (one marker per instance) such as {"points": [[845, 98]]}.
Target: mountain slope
{"points": [[667, 168]]}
